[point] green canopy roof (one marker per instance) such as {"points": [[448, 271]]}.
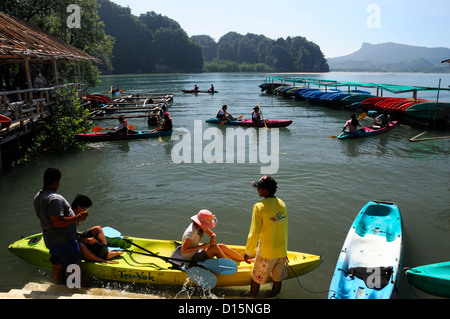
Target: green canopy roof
{"points": [[388, 87]]}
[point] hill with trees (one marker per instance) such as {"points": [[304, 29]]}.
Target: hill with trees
{"points": [[293, 54], [154, 43], [150, 43]]}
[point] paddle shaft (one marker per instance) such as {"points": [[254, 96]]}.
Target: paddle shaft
{"points": [[167, 259]]}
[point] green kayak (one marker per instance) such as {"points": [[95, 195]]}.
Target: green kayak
{"points": [[433, 279]]}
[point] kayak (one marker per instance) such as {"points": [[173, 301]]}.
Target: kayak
{"points": [[430, 110], [102, 137], [368, 131], [5, 122], [369, 264], [249, 123], [198, 91], [133, 266], [433, 279]]}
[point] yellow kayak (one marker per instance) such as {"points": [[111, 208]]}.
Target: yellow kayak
{"points": [[136, 266]]}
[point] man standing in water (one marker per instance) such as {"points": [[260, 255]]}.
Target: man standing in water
{"points": [[269, 227], [59, 224]]}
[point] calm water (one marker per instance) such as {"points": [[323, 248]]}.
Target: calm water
{"points": [[138, 189]]}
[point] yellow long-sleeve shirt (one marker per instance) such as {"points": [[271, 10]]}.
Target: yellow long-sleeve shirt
{"points": [[269, 227]]}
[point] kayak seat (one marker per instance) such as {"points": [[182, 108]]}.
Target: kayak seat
{"points": [[371, 222], [117, 242]]}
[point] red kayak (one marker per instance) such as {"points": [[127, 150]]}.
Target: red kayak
{"points": [[5, 122], [249, 123]]}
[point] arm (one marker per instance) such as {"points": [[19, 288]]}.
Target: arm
{"points": [[186, 249], [254, 233], [62, 221]]}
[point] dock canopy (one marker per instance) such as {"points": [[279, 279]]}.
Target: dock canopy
{"points": [[20, 40]]}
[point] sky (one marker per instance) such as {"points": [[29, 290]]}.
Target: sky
{"points": [[339, 27]]}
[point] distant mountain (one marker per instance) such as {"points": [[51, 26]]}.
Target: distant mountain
{"points": [[393, 57]]}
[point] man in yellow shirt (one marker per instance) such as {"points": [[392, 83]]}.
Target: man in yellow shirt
{"points": [[270, 228]]}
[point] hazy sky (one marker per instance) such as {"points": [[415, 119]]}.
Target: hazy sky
{"points": [[339, 27]]}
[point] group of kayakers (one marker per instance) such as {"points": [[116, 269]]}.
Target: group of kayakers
{"points": [[225, 116], [353, 125], [123, 128], [266, 244]]}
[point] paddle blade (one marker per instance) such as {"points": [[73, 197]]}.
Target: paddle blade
{"points": [[220, 266], [131, 127], [201, 277], [111, 232], [362, 116], [97, 129]]}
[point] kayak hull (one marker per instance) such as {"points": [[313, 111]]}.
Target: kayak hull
{"points": [[367, 132], [136, 268], [249, 123], [102, 137], [433, 279], [430, 110], [373, 248], [5, 122]]}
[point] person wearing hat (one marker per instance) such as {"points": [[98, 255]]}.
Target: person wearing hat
{"points": [[268, 237], [193, 250]]}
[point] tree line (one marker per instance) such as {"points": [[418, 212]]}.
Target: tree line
{"points": [[293, 54]]}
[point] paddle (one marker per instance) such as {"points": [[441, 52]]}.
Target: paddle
{"points": [[199, 276], [263, 118], [360, 117], [239, 118], [221, 266]]}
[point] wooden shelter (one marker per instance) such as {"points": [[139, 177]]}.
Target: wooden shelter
{"points": [[21, 42]]}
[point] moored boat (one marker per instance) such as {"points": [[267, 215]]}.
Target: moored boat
{"points": [[433, 279], [430, 110], [367, 131], [102, 137], [369, 264], [250, 123], [136, 266]]}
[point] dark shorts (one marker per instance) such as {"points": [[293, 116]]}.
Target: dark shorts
{"points": [[99, 249], [65, 254]]}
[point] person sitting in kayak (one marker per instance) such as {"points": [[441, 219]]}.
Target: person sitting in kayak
{"points": [[122, 128], [92, 241], [224, 115], [211, 89], [381, 120], [196, 88], [166, 125], [256, 115], [352, 125], [193, 250]]}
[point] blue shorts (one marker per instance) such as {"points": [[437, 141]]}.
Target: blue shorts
{"points": [[65, 254]]}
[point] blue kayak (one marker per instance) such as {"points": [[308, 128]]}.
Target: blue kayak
{"points": [[369, 264]]}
